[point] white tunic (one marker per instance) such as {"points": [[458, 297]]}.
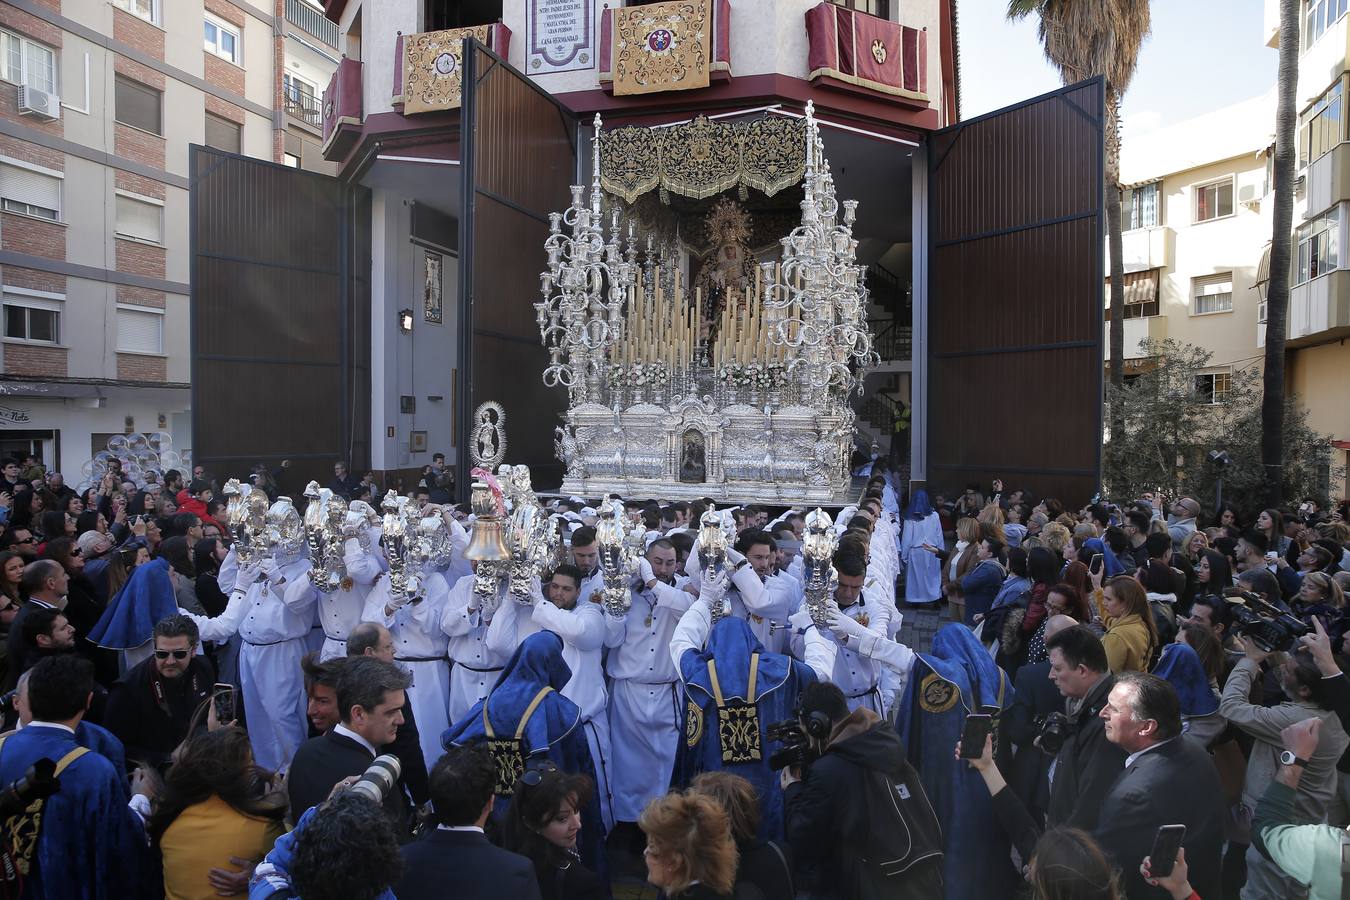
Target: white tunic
{"points": [[923, 572], [475, 667], [836, 659], [341, 611]]}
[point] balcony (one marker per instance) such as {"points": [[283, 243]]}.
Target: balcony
{"points": [[1148, 248], [1136, 331], [312, 22], [857, 52], [654, 54], [304, 107], [1328, 179], [342, 110], [1319, 310]]}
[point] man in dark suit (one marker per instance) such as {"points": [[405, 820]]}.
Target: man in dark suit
{"points": [[457, 852], [1035, 697], [1168, 779], [371, 694], [371, 639]]}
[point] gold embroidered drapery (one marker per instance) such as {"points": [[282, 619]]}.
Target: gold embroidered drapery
{"points": [[703, 157], [662, 47], [433, 69]]}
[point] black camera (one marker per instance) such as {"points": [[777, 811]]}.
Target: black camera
{"points": [[797, 747], [379, 779], [1269, 627], [38, 783], [1053, 732]]}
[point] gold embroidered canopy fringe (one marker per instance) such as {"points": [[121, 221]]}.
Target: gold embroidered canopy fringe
{"points": [[703, 158]]}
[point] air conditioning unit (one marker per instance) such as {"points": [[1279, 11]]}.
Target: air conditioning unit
{"points": [[39, 104], [1249, 195]]}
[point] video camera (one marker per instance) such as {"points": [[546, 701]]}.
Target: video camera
{"points": [[38, 783], [797, 748], [1269, 627], [379, 778], [1053, 732]]}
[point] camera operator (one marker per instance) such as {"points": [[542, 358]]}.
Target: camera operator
{"points": [[341, 850], [1301, 681], [1086, 763], [834, 814]]}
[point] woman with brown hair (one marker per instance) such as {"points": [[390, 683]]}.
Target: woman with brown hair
{"points": [[991, 521], [216, 805], [690, 853], [763, 864], [1131, 635], [542, 825]]}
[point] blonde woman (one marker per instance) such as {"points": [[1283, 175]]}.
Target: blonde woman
{"points": [[1194, 547], [690, 852], [1131, 635], [991, 521]]}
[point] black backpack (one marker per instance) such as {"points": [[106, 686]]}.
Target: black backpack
{"points": [[903, 836]]}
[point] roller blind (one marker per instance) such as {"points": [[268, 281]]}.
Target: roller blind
{"points": [[29, 187], [138, 105], [222, 134], [136, 219], [140, 332]]}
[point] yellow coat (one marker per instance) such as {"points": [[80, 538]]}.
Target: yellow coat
{"points": [[1128, 644]]}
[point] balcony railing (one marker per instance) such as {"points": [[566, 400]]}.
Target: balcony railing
{"points": [[893, 339], [850, 48], [312, 21], [305, 107]]}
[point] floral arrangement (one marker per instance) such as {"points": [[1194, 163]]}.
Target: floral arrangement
{"points": [[638, 374], [756, 375]]}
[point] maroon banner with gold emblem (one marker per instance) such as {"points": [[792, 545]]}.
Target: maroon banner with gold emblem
{"points": [[867, 51]]}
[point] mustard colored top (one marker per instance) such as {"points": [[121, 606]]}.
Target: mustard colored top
{"points": [[1127, 644], [205, 836]]}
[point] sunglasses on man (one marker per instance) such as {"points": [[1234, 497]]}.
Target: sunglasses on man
{"points": [[176, 654]]}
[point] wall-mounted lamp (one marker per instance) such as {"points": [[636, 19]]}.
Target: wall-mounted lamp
{"points": [[405, 321]]}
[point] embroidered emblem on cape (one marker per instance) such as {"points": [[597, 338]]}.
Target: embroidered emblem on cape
{"points": [[693, 725], [738, 733], [510, 764], [936, 694], [879, 51]]}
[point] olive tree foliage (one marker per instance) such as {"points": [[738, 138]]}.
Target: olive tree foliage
{"points": [[1171, 424]]}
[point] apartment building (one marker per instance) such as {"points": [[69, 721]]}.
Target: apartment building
{"points": [[100, 101], [1196, 215], [1318, 334]]}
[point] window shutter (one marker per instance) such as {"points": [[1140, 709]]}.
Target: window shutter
{"points": [[27, 186], [140, 332], [137, 105], [139, 220], [223, 134]]}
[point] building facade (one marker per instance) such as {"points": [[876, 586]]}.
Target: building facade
{"points": [[100, 102]]}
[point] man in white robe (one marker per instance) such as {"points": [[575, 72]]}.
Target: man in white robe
{"points": [[923, 571], [474, 666], [829, 654]]}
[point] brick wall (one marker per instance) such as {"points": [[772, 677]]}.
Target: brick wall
{"points": [[140, 297], [31, 26], [223, 74], [30, 359], [139, 259], [141, 146], [13, 276], [32, 153], [138, 33], [227, 11], [218, 107], [136, 367], [137, 184], [24, 234]]}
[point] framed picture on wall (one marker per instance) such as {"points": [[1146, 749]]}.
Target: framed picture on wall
{"points": [[417, 442], [431, 289]]}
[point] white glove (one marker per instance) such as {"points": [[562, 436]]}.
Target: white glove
{"points": [[395, 602], [734, 556], [843, 624], [713, 589], [645, 572], [247, 576], [536, 593], [268, 567], [456, 528]]}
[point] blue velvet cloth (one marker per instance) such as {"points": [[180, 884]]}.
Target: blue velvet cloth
{"points": [[919, 506], [91, 846], [129, 621], [956, 678], [1110, 564], [1180, 666], [272, 880], [777, 684]]}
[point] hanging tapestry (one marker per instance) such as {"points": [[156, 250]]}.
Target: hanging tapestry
{"points": [[433, 68], [661, 47], [867, 51], [703, 157]]}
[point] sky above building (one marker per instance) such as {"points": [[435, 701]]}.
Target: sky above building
{"points": [[1194, 61]]}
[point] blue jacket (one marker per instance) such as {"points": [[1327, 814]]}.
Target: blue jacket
{"points": [[980, 586]]}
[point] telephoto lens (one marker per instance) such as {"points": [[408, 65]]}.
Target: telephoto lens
{"points": [[376, 781]]}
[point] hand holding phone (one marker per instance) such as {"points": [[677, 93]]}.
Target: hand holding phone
{"points": [[222, 703], [1166, 845], [974, 732], [1096, 563]]}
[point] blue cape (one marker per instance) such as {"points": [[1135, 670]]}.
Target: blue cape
{"points": [[1111, 565], [129, 621], [1180, 666], [780, 679], [919, 507], [956, 678]]}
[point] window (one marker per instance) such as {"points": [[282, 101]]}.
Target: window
{"points": [[1212, 295], [139, 331], [1322, 126], [145, 9], [1319, 245], [138, 105], [140, 220], [291, 160], [1214, 200], [1141, 294], [300, 99], [1213, 387], [222, 40], [25, 322], [1321, 15], [1140, 206], [223, 134], [873, 7], [30, 192], [28, 62]]}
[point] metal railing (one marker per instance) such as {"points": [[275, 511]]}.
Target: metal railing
{"points": [[305, 107], [881, 411], [892, 338], [311, 21]]}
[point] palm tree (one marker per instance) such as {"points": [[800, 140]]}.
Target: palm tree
{"points": [[1281, 245], [1084, 39]]}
